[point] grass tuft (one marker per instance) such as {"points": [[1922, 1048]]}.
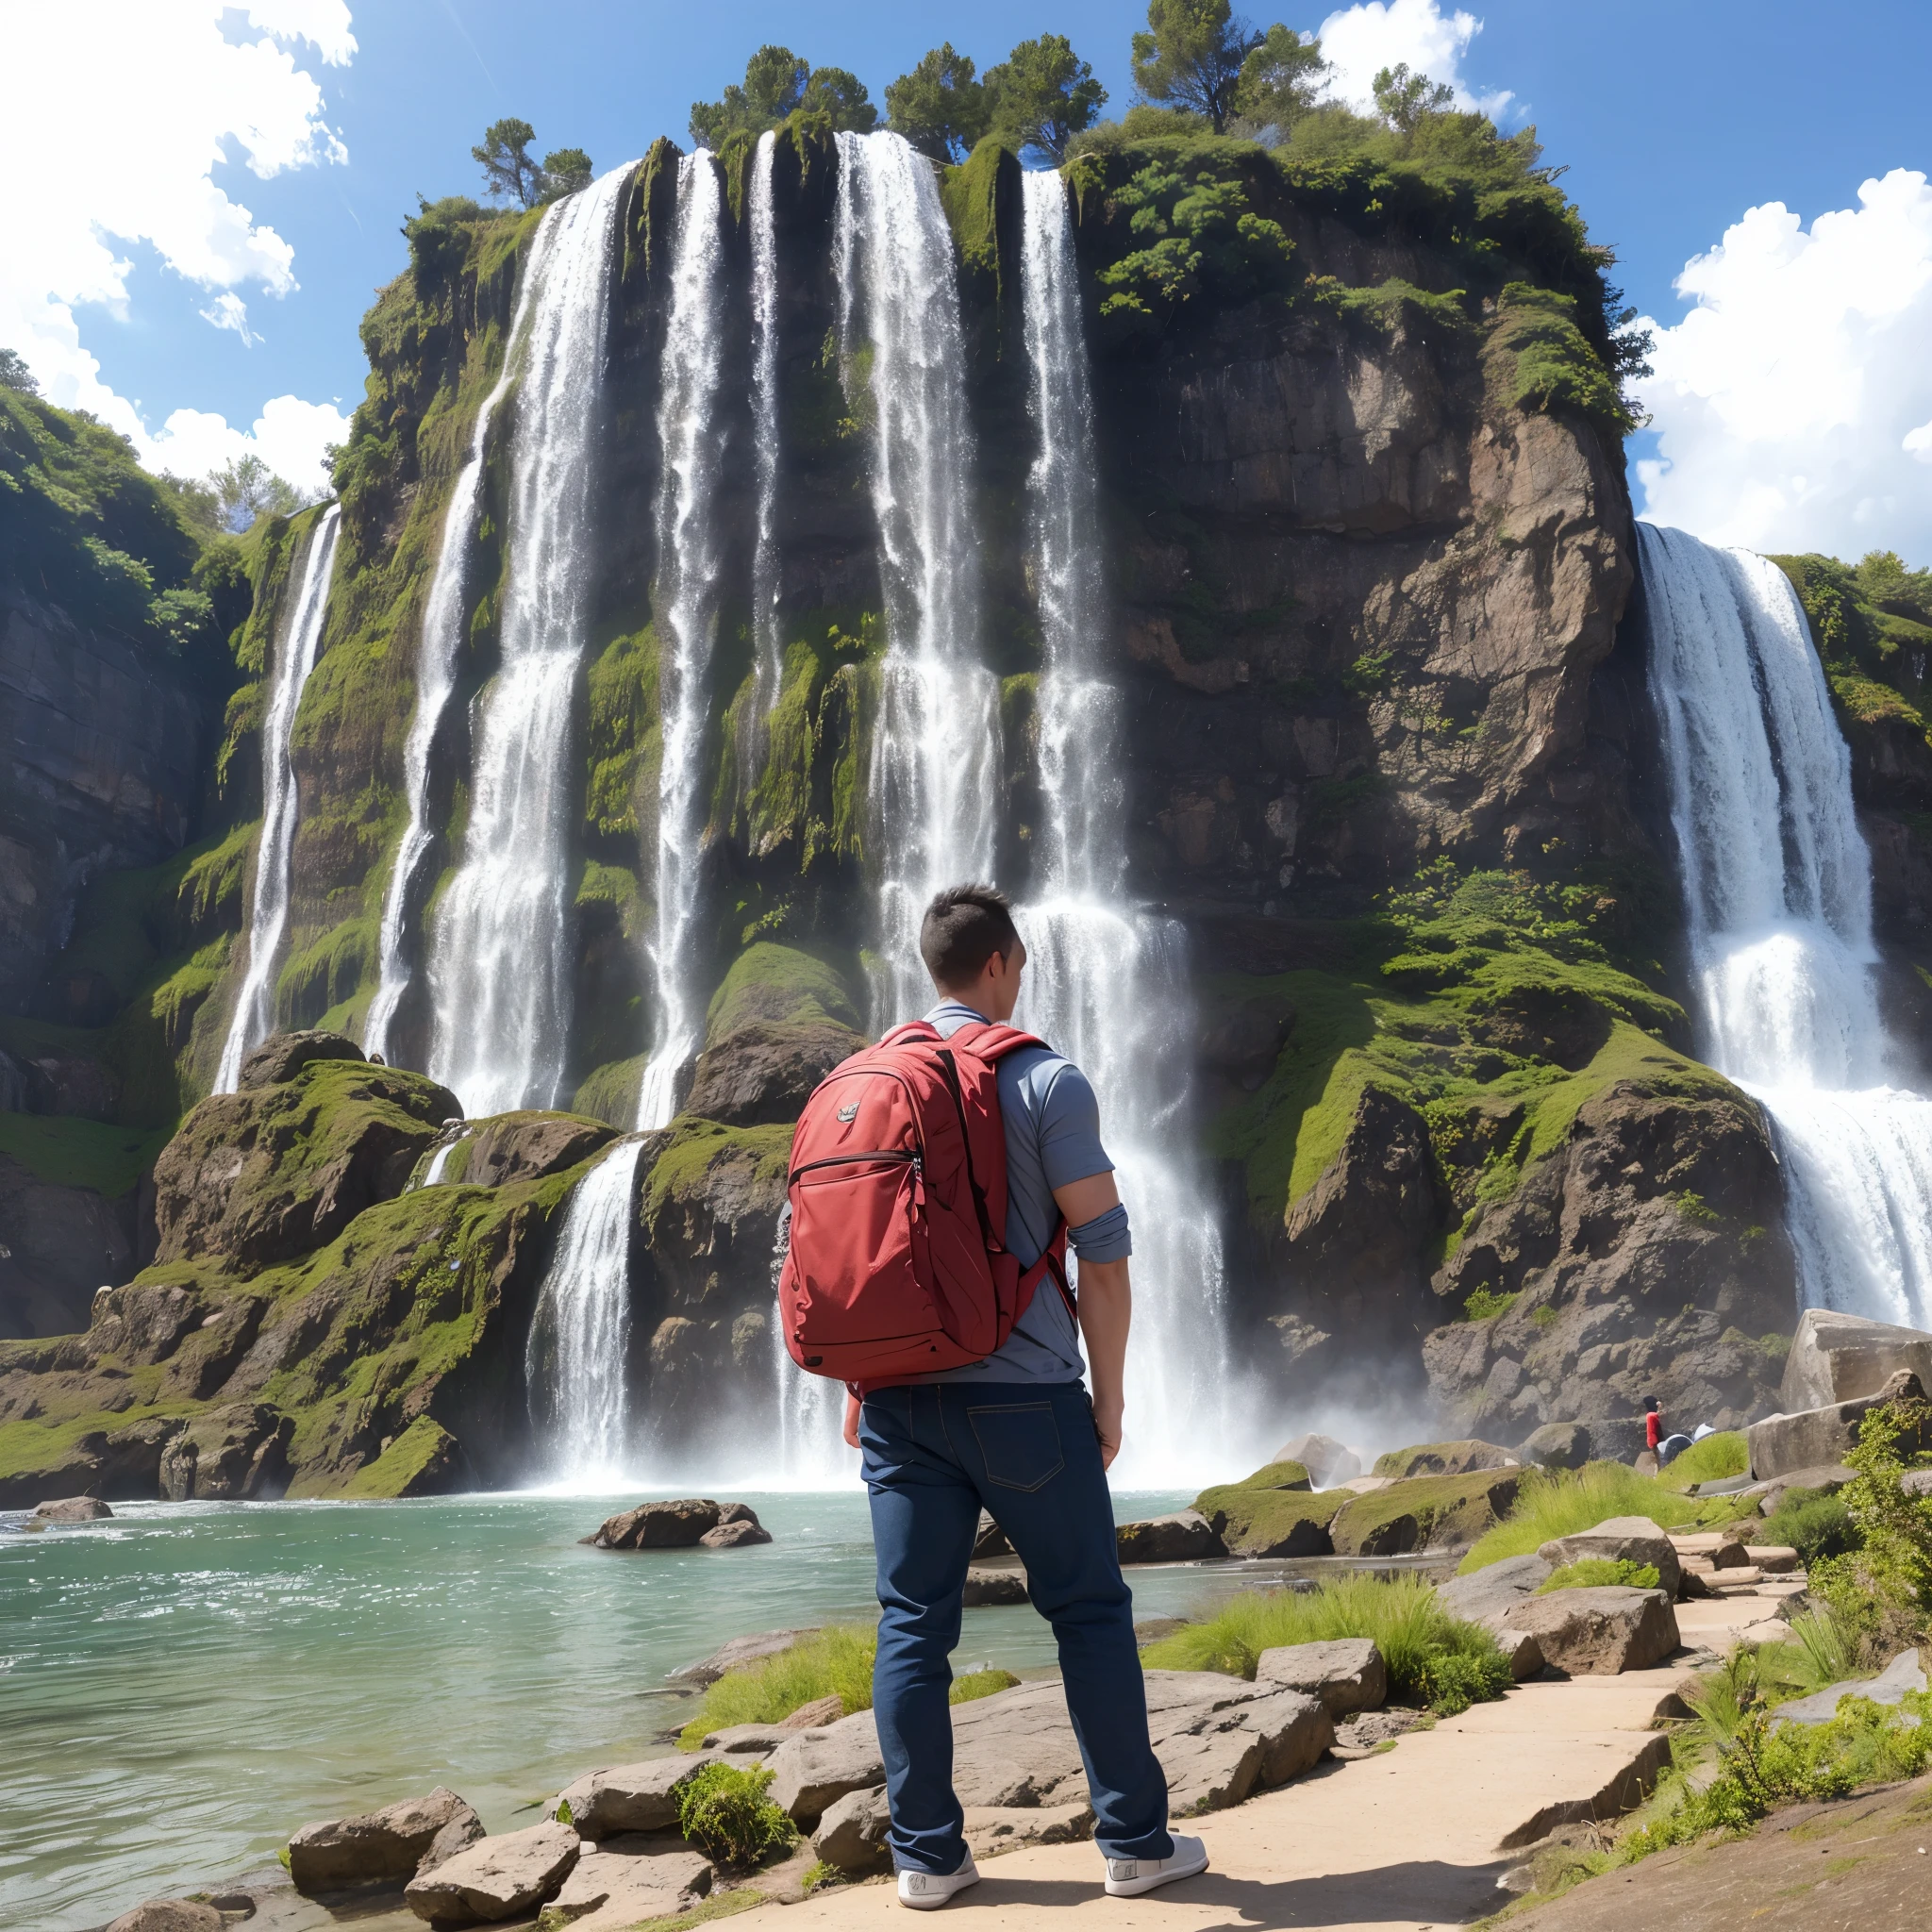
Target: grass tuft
{"points": [[1559, 1501], [836, 1659], [1709, 1462], [1432, 1657], [1597, 1573]]}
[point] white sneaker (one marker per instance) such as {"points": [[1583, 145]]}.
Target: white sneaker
{"points": [[1129, 1877], [927, 1891]]}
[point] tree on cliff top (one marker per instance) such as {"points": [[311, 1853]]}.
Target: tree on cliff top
{"points": [[1042, 94], [1403, 98], [1279, 80], [1192, 55], [14, 374], [248, 489], [777, 82], [938, 107], [511, 173]]}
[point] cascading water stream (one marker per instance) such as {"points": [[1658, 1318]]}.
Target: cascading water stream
{"points": [[768, 665], [1778, 885], [255, 1005], [580, 1333], [1105, 984], [936, 745], [436, 672], [499, 967], [686, 603]]}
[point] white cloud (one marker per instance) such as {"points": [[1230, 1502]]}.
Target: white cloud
{"points": [[1359, 42], [1786, 401], [161, 97]]}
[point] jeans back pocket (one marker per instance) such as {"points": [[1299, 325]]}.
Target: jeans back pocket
{"points": [[1019, 1442]]}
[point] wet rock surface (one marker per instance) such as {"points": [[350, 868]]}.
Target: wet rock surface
{"points": [[383, 1847], [72, 1509], [682, 1525]]}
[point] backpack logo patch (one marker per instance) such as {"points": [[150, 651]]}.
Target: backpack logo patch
{"points": [[849, 1114]]}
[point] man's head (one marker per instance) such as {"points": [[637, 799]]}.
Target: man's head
{"points": [[973, 950]]}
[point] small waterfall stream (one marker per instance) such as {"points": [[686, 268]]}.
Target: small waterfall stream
{"points": [[1107, 985], [580, 1333], [1778, 887], [686, 603], [499, 968], [436, 672], [768, 664], [936, 746], [255, 1005]]}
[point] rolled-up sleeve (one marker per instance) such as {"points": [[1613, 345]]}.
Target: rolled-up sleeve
{"points": [[1071, 1150]]}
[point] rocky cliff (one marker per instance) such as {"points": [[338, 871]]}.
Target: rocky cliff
{"points": [[1368, 548]]}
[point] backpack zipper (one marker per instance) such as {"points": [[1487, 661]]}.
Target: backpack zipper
{"points": [[847, 1159]]}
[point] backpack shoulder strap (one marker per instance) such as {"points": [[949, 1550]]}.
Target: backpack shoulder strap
{"points": [[988, 1041], [909, 1032]]}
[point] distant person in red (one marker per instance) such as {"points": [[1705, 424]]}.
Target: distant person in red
{"points": [[1653, 1424]]}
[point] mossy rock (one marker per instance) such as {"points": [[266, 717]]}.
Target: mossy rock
{"points": [[1271, 1513], [1447, 1512], [609, 1093], [425, 1460], [276, 1171], [780, 985], [1445, 1458]]}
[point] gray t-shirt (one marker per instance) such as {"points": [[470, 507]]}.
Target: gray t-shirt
{"points": [[1052, 1121]]}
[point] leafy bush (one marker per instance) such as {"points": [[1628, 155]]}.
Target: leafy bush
{"points": [[1592, 1572], [1889, 1574], [1484, 1302], [836, 1659], [1407, 1622], [1814, 1523], [725, 1812], [1557, 1502], [978, 1683], [1821, 1650], [1709, 1462]]}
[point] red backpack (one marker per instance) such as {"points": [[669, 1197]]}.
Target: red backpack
{"points": [[896, 1265]]}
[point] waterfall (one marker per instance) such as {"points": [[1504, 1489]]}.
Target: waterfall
{"points": [[580, 1333], [767, 669], [1779, 891], [686, 606], [500, 963], [1107, 984], [436, 671], [255, 1005], [935, 778]]}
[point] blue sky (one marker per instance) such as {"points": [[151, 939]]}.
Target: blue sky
{"points": [[1673, 120]]}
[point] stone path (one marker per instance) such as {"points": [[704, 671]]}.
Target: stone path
{"points": [[1413, 1838]]}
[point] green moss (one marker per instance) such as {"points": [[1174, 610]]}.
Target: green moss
{"points": [[1542, 360], [609, 1093], [779, 984], [326, 974], [69, 1153], [622, 729], [697, 1146], [972, 194], [1598, 1573], [1394, 305], [401, 1466], [1444, 1508]]}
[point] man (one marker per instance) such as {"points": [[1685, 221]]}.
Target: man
{"points": [[1017, 1435]]}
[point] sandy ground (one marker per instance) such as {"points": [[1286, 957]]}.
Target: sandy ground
{"points": [[1414, 1837]]}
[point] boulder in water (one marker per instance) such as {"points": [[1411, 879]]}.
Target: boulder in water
{"points": [[1186, 1536], [985, 1586], [72, 1509], [1840, 1357], [736, 1534], [739, 1651], [170, 1915], [240, 1450], [678, 1525], [497, 1877], [383, 1847]]}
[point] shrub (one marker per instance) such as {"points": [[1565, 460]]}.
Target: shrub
{"points": [[725, 1812], [1822, 1650], [1814, 1523], [1892, 1570], [1709, 1462], [1592, 1572], [1407, 1620], [977, 1684], [1559, 1502], [836, 1659]]}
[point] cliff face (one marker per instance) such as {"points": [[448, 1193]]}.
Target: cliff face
{"points": [[1367, 547]]}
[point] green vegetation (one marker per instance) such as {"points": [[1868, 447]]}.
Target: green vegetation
{"points": [[1560, 1502], [1486, 1304], [1814, 1523], [67, 1152], [1432, 1657], [779, 984], [1592, 1572], [1273, 1512], [835, 1661], [977, 1684], [1711, 1460], [1872, 624], [1038, 98], [778, 84], [510, 172], [725, 1812], [1884, 1585]]}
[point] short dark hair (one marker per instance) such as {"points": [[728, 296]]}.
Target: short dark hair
{"points": [[963, 927]]}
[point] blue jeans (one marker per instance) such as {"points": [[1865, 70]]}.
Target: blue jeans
{"points": [[935, 1454]]}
